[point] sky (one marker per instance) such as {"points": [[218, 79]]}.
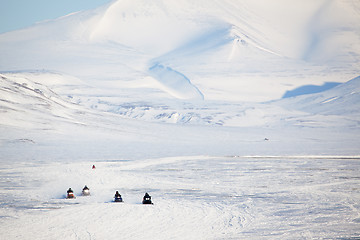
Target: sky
{"points": [[18, 14]]}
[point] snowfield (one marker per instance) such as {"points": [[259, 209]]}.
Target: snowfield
{"points": [[240, 118], [196, 197]]}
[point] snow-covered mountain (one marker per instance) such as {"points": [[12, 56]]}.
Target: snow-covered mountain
{"points": [[217, 50], [212, 63], [341, 100]]}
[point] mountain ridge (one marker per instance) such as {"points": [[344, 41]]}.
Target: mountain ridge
{"points": [[226, 49]]}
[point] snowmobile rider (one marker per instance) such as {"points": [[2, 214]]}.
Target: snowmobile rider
{"points": [[147, 199], [117, 195], [86, 191], [70, 193]]}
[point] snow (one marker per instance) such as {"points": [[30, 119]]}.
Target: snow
{"points": [[185, 100], [175, 83], [195, 197], [232, 40]]}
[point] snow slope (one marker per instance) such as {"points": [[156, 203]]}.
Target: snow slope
{"points": [[340, 100], [98, 123], [227, 49]]}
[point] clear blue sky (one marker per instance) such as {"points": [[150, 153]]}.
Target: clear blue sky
{"points": [[17, 14]]}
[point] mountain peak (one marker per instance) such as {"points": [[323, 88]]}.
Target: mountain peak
{"points": [[150, 26], [225, 49]]}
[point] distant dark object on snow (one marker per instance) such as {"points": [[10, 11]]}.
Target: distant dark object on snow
{"points": [[147, 199], [70, 193], [93, 167], [86, 191], [117, 197], [309, 89]]}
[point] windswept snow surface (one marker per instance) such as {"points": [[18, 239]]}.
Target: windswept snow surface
{"points": [[183, 99], [198, 197]]}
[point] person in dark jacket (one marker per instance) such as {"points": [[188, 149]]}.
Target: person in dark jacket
{"points": [[70, 193], [86, 191], [118, 197], [147, 199], [117, 194]]}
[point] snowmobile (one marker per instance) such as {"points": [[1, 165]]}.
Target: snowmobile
{"points": [[86, 191], [147, 199], [70, 194], [117, 197]]}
